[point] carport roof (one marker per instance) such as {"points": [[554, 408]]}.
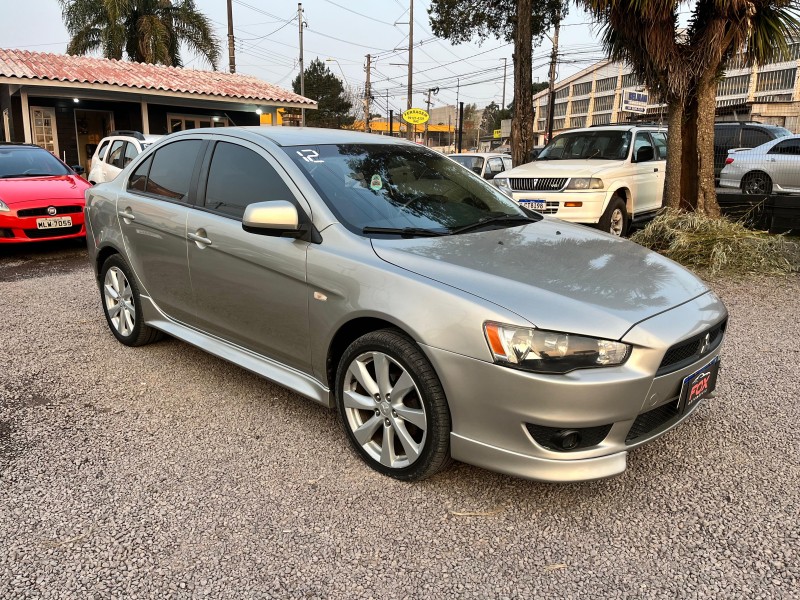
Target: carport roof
{"points": [[45, 66]]}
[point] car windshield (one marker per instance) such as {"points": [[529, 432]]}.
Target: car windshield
{"points": [[473, 163], [404, 188], [27, 161], [595, 145]]}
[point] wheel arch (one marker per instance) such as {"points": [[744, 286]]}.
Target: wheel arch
{"points": [[755, 172], [349, 332], [102, 255], [624, 192]]}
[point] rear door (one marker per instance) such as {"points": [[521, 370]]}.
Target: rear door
{"points": [[152, 215], [250, 289], [113, 161], [782, 163]]}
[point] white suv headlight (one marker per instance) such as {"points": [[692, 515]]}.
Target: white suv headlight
{"points": [[503, 183], [551, 351], [585, 183]]}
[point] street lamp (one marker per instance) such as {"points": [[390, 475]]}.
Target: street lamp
{"points": [[340, 69]]}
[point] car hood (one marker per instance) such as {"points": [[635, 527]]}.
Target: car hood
{"points": [[57, 187], [564, 168], [554, 274]]}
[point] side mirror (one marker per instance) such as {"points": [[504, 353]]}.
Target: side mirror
{"points": [[278, 218], [78, 169], [645, 154]]}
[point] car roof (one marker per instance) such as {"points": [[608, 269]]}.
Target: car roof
{"points": [[299, 136], [482, 154], [147, 137], [619, 126]]}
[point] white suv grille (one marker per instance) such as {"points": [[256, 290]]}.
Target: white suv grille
{"points": [[538, 184]]}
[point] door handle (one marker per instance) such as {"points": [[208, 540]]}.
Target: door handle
{"points": [[770, 160], [200, 240], [127, 214]]}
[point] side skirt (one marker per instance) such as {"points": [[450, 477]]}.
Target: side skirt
{"points": [[287, 377]]}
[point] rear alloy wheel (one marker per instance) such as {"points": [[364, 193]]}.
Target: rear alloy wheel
{"points": [[121, 305], [615, 219], [393, 407], [757, 184]]}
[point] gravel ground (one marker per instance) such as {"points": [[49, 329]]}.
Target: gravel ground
{"points": [[163, 472]]}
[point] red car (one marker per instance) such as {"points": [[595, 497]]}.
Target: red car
{"points": [[41, 198]]}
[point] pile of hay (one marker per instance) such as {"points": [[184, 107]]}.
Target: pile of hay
{"points": [[719, 246]]}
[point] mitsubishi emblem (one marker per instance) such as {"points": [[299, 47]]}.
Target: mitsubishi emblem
{"points": [[535, 181], [51, 210]]}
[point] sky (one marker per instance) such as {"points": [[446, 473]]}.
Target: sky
{"points": [[345, 31]]}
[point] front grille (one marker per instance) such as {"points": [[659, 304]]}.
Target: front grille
{"points": [[688, 351], [42, 212], [538, 184], [649, 422], [545, 436], [36, 234]]}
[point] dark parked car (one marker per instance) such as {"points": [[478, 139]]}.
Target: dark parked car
{"points": [[741, 135]]}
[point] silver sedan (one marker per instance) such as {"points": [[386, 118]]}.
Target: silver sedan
{"points": [[771, 167], [377, 277]]}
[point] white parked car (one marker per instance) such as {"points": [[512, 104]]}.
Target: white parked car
{"points": [[605, 176], [770, 167], [486, 164], [114, 152]]}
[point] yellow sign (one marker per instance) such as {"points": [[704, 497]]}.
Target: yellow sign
{"points": [[415, 116], [497, 133]]}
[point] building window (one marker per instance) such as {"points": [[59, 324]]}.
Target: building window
{"points": [[558, 124], [733, 85], [562, 93], [43, 128], [582, 89], [560, 109], [604, 102], [737, 62], [184, 122], [793, 53], [605, 85], [580, 107], [630, 80], [603, 119], [776, 80], [577, 122]]}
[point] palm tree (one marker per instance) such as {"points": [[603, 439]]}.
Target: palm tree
{"points": [[683, 66], [149, 31]]}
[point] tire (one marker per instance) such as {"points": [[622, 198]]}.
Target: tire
{"points": [[757, 184], [615, 220], [416, 425], [119, 294]]}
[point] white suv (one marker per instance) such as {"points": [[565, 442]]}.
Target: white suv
{"points": [[606, 176], [114, 152]]}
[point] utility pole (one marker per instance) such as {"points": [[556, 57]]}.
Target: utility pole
{"points": [[231, 46], [460, 124], [505, 67], [458, 117], [367, 93], [302, 66], [410, 128], [391, 123], [428, 108], [551, 103]]}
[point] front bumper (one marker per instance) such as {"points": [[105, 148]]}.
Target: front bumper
{"points": [[592, 204], [18, 226], [496, 411]]}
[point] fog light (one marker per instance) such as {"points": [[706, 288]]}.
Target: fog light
{"points": [[567, 439]]}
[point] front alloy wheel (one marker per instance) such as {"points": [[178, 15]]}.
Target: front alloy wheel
{"points": [[392, 406]]}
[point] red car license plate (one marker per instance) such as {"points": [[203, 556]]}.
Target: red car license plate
{"points": [[700, 384]]}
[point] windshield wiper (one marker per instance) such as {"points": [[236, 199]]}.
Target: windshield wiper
{"points": [[14, 175], [404, 231], [494, 219]]}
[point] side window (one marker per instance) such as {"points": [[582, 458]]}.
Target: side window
{"points": [[172, 170], [660, 140], [791, 147], [130, 153], [115, 154], [495, 165], [642, 141], [238, 177], [138, 180], [754, 137], [507, 163], [101, 151]]}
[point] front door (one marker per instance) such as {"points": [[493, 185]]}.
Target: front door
{"points": [[43, 128], [646, 193], [249, 289], [152, 216]]}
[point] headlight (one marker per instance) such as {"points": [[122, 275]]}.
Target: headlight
{"points": [[4, 207], [585, 183], [503, 183], [551, 351]]}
